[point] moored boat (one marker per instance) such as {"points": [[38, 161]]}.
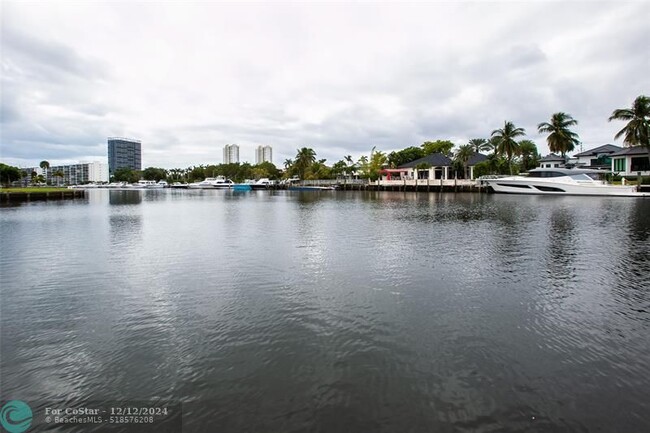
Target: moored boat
{"points": [[212, 183], [562, 181], [263, 183], [145, 184]]}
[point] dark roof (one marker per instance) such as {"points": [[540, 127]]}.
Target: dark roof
{"points": [[476, 158], [433, 159], [552, 157], [605, 148], [637, 150]]}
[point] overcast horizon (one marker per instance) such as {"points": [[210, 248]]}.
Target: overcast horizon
{"points": [[188, 78]]}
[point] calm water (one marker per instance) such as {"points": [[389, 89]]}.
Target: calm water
{"points": [[334, 311]]}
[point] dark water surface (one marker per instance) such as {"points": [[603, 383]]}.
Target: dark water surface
{"points": [[333, 311]]}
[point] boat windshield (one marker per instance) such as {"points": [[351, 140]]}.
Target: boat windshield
{"points": [[582, 177], [545, 174], [596, 176]]}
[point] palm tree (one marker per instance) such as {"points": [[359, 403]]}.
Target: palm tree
{"points": [[479, 145], [505, 140], [351, 166], [463, 154], [45, 165], [528, 153], [637, 130], [59, 174], [561, 138], [304, 159], [288, 163]]}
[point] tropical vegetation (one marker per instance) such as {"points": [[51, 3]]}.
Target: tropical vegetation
{"points": [[637, 130], [9, 174], [505, 141], [560, 138]]}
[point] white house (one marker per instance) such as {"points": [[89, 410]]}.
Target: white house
{"points": [[631, 161], [552, 161], [599, 157], [438, 166]]}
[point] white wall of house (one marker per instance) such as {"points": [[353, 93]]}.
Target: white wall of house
{"points": [[625, 166], [550, 164]]}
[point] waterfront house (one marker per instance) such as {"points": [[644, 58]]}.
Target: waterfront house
{"points": [[552, 161], [434, 166], [631, 161], [476, 158], [598, 157]]}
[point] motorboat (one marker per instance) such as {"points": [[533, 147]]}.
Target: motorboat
{"points": [[561, 181], [212, 183], [160, 184], [263, 183], [145, 184]]}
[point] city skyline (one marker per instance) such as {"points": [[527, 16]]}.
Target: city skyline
{"points": [[340, 79]]}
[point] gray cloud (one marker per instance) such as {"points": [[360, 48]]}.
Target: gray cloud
{"points": [[187, 79]]}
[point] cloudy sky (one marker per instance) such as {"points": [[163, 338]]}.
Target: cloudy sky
{"points": [[187, 78]]}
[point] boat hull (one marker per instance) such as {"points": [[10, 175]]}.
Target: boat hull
{"points": [[311, 188]]}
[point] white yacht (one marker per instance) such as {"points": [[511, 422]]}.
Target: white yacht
{"points": [[145, 184], [212, 183], [561, 181], [160, 184]]}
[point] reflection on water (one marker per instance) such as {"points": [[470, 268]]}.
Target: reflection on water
{"points": [[561, 248], [125, 197], [333, 311]]}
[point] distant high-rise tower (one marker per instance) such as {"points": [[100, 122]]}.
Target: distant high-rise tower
{"points": [[124, 153], [263, 154], [230, 154]]}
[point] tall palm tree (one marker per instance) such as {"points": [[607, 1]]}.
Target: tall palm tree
{"points": [[304, 159], [351, 166], [463, 154], [560, 137], [505, 140], [45, 165], [637, 130], [288, 163]]}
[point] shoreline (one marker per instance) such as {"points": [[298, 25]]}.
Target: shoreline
{"points": [[34, 194]]}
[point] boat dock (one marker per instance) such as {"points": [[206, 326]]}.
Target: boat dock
{"points": [[34, 194]]}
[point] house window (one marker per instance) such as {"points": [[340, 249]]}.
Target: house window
{"points": [[619, 164], [640, 163]]}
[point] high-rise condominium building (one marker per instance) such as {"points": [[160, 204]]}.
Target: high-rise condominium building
{"points": [[230, 154], [124, 153], [263, 154]]}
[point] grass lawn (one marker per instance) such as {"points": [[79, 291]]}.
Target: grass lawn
{"points": [[34, 189]]}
